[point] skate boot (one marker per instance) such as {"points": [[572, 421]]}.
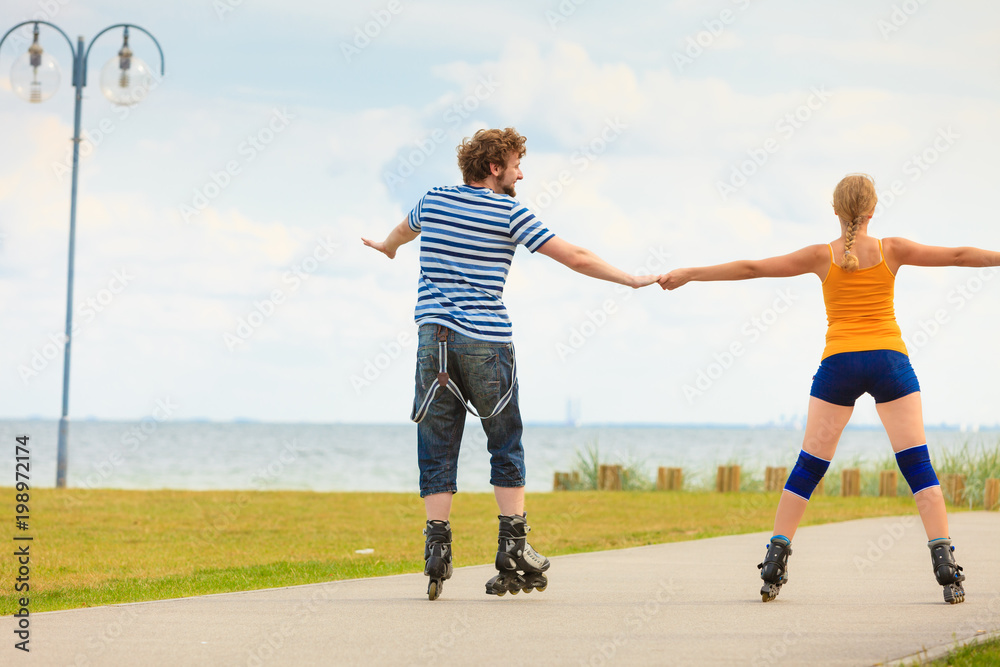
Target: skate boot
{"points": [[437, 556], [947, 571], [514, 554], [774, 569]]}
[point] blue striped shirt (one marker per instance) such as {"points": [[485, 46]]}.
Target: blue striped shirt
{"points": [[467, 240]]}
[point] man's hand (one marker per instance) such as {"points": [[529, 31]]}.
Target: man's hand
{"points": [[674, 279], [400, 235], [381, 247]]}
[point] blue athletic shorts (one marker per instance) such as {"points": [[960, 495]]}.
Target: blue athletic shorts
{"points": [[885, 374]]}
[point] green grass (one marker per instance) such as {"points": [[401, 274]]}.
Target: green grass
{"points": [[977, 654], [98, 547]]}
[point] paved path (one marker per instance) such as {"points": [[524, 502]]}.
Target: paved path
{"points": [[860, 593]]}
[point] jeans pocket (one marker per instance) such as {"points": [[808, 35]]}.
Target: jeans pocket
{"points": [[427, 369]]}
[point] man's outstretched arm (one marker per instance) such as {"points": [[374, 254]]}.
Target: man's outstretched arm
{"points": [[398, 236], [584, 261]]}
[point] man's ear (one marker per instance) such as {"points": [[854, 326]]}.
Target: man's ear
{"points": [[495, 169]]}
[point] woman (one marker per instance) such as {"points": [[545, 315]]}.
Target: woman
{"points": [[864, 354]]}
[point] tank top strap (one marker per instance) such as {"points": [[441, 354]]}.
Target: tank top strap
{"points": [[881, 254], [832, 257]]}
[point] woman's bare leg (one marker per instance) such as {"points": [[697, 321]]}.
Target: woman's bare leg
{"points": [[825, 423], [903, 420]]}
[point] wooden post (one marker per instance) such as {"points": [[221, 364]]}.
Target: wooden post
{"points": [[850, 482], [610, 478], [564, 481], [727, 479], [991, 494], [887, 484], [669, 479], [774, 478], [953, 486]]}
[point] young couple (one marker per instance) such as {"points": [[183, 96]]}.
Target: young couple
{"points": [[465, 356]]}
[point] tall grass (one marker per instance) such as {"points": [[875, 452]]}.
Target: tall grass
{"points": [[635, 473], [977, 461]]}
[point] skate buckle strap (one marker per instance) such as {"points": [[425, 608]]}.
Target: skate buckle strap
{"points": [[445, 382]]}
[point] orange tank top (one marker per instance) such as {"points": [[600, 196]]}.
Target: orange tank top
{"points": [[859, 309]]}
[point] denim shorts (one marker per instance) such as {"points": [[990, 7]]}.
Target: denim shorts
{"points": [[885, 374], [483, 372]]}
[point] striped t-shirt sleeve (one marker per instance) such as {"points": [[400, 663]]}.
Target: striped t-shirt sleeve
{"points": [[414, 216], [526, 229]]}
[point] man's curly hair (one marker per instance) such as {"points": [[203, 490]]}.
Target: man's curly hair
{"points": [[488, 147]]}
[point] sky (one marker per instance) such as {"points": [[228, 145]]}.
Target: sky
{"points": [[219, 267]]}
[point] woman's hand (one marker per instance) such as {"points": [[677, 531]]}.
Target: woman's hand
{"points": [[636, 282]]}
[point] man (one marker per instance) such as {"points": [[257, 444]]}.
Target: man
{"points": [[465, 351]]}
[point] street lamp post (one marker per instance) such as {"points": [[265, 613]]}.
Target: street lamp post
{"points": [[34, 77]]}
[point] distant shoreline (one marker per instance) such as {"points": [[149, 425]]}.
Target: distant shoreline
{"points": [[585, 426]]}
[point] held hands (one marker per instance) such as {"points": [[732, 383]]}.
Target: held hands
{"points": [[674, 279], [635, 282], [381, 247]]}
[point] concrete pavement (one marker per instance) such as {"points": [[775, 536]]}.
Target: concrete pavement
{"points": [[860, 593]]}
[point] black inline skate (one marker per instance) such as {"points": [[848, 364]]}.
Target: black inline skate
{"points": [[520, 567], [774, 569], [947, 571], [437, 556]]}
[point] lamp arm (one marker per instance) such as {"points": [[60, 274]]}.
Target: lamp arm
{"points": [[86, 54]]}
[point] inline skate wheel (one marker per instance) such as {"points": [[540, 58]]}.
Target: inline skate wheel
{"points": [[433, 590]]}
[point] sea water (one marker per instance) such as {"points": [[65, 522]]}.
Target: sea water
{"points": [[366, 457]]}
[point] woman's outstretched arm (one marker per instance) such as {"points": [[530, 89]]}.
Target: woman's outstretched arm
{"points": [[901, 252], [811, 259]]}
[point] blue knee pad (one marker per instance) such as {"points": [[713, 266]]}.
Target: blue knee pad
{"points": [[806, 474], [915, 464]]}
